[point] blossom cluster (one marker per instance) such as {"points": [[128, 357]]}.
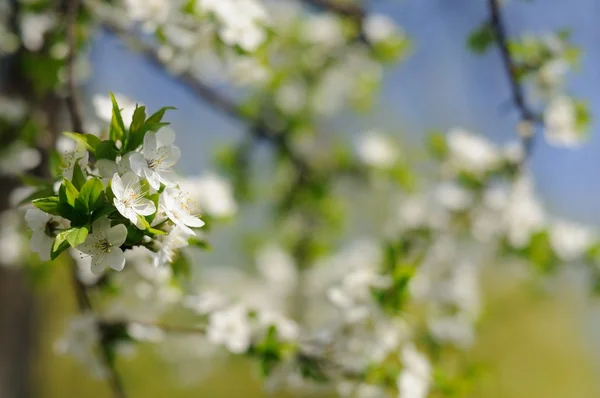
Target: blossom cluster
{"points": [[117, 194]]}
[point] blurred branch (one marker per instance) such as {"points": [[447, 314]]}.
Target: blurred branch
{"points": [[345, 9], [518, 96], [72, 99], [349, 10], [259, 128]]}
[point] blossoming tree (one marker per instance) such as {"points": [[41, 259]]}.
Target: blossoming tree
{"points": [[388, 313]]}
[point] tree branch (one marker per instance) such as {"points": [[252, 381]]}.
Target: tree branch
{"points": [[72, 100], [259, 128], [518, 96], [345, 9]]}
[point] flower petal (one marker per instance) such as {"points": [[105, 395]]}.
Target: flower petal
{"points": [[116, 235], [149, 143], [144, 207], [138, 163], [115, 259], [117, 187], [89, 245], [129, 179], [152, 178], [165, 136], [167, 177], [192, 221], [98, 264], [37, 219]]}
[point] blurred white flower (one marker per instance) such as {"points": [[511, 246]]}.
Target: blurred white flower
{"points": [[41, 223], [379, 27], [524, 214], [560, 122], [212, 193], [80, 341], [33, 28], [470, 152], [230, 327], [415, 379], [570, 240], [18, 158], [452, 196], [377, 150], [103, 107], [79, 156]]}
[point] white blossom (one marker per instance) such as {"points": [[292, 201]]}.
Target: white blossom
{"points": [[81, 340], [470, 152], [212, 193], [230, 327], [379, 27], [376, 150], [79, 156], [157, 158], [178, 209], [104, 245], [570, 240], [42, 224], [560, 122], [130, 198], [415, 379]]}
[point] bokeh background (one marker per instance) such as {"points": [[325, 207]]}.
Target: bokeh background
{"points": [[534, 345]]}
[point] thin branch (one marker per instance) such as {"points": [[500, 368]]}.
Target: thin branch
{"points": [[349, 10], [72, 98], [518, 96], [259, 128], [346, 9]]}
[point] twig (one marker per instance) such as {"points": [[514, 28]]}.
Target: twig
{"points": [[518, 96], [72, 98], [346, 9], [349, 10]]}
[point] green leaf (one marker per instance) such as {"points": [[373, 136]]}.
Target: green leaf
{"points": [[117, 127], [60, 239], [48, 205], [138, 119], [199, 243], [104, 210], [76, 236], [57, 251], [78, 176], [89, 140], [68, 193], [181, 266], [136, 131], [583, 116], [482, 38], [157, 116], [437, 144], [90, 193], [135, 140], [107, 150]]}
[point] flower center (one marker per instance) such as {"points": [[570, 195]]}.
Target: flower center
{"points": [[103, 245]]}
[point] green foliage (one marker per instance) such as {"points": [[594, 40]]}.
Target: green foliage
{"points": [[480, 40]]}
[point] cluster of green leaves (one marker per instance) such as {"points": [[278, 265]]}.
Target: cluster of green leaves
{"points": [[84, 198]]}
